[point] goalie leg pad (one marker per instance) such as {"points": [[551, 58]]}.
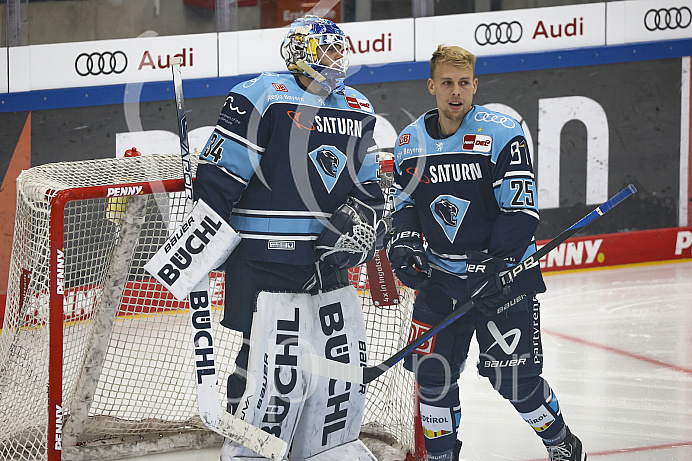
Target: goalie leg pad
{"points": [[276, 388], [351, 451], [237, 382], [228, 453], [333, 411], [312, 414]]}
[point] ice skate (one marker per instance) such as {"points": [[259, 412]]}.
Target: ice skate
{"points": [[568, 450]]}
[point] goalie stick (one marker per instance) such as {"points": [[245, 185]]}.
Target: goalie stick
{"points": [[363, 375], [210, 410], [383, 289]]}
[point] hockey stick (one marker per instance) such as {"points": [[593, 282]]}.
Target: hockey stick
{"points": [[383, 289], [210, 410], [363, 375]]}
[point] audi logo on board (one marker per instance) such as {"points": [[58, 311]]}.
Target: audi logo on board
{"points": [[668, 18], [494, 33], [105, 63]]}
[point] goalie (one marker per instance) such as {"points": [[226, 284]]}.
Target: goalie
{"points": [[292, 165]]}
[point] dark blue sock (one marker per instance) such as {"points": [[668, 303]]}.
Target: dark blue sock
{"points": [[440, 413], [540, 409]]}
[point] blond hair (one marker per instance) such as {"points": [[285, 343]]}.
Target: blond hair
{"points": [[454, 55]]}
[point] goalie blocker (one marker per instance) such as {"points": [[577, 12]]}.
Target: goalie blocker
{"points": [[199, 245]]}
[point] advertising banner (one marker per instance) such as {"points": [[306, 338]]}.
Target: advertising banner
{"points": [[514, 31], [508, 32], [4, 85], [110, 62], [378, 42], [279, 13], [372, 43], [251, 52], [618, 249], [648, 20]]}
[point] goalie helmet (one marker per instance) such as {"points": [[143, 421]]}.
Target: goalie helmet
{"points": [[308, 49]]}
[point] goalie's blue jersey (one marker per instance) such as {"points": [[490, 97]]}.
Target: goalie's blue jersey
{"points": [[473, 190], [281, 160]]}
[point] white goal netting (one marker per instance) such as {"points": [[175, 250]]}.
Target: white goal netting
{"points": [[85, 326]]}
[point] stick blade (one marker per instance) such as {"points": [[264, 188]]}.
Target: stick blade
{"points": [[249, 436], [322, 366]]}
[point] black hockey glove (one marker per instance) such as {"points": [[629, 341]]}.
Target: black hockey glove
{"points": [[408, 259], [485, 286], [349, 239]]}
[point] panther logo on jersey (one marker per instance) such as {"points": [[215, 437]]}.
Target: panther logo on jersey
{"points": [[449, 212], [329, 163]]}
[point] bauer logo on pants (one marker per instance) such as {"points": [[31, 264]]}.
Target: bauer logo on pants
{"points": [[198, 246]]}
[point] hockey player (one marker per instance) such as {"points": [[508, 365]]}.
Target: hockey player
{"points": [[465, 185], [292, 164]]}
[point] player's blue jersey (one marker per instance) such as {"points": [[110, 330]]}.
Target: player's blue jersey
{"points": [[473, 190], [281, 159]]}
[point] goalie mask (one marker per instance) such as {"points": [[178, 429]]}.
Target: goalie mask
{"points": [[316, 47], [349, 238]]}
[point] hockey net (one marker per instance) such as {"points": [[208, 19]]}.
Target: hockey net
{"points": [[95, 360]]}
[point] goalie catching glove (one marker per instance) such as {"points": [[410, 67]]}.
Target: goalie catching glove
{"points": [[484, 282], [409, 261], [348, 240]]}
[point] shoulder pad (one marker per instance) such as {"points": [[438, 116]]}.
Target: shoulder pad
{"points": [[497, 122], [411, 141], [257, 89]]}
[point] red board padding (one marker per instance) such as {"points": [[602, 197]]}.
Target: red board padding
{"points": [[621, 248]]}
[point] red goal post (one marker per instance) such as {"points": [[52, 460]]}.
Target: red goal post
{"points": [[116, 364]]}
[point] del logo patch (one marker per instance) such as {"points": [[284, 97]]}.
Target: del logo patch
{"points": [[352, 102], [477, 142], [417, 330], [358, 103]]}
